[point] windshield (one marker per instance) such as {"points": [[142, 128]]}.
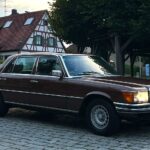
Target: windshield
{"points": [[78, 65]]}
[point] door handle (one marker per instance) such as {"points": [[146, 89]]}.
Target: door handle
{"points": [[34, 81]]}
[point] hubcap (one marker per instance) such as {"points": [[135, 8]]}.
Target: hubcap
{"points": [[99, 117]]}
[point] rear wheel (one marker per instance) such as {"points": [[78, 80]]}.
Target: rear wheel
{"points": [[102, 117], [3, 107]]}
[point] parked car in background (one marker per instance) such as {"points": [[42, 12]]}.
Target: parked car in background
{"points": [[81, 84]]}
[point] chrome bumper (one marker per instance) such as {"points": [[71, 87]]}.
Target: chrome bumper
{"points": [[132, 108]]}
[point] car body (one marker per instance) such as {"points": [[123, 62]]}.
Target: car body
{"points": [[80, 84]]}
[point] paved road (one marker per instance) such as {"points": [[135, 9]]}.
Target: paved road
{"points": [[29, 130]]}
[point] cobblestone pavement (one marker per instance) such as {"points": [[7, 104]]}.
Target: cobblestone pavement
{"points": [[29, 130]]}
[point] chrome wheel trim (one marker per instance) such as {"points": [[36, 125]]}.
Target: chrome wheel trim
{"points": [[99, 117]]}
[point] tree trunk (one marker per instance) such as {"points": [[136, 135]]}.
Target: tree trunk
{"points": [[101, 51], [119, 56], [80, 49], [132, 60]]}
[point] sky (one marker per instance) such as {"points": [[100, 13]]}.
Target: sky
{"points": [[23, 5]]}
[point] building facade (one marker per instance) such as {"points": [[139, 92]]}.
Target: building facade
{"points": [[28, 32]]}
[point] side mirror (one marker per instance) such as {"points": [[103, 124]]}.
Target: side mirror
{"points": [[57, 73]]}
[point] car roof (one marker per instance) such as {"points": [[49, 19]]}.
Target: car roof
{"points": [[46, 53], [40, 54]]}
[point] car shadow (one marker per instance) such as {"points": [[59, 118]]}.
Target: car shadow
{"points": [[74, 122], [47, 117]]}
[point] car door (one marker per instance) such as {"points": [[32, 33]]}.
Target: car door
{"points": [[15, 80], [47, 88]]}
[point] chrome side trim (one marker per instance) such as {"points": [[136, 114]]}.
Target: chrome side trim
{"points": [[44, 107], [46, 94], [30, 75]]}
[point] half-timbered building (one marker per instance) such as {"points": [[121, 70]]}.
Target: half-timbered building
{"points": [[27, 32]]}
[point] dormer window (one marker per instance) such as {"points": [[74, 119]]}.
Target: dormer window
{"points": [[7, 24], [29, 21]]}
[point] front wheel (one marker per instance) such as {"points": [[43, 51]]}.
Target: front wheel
{"points": [[102, 117]]}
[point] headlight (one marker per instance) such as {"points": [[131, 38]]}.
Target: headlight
{"points": [[141, 97], [136, 97]]}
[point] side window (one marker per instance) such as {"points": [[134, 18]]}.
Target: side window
{"points": [[24, 65], [46, 64]]}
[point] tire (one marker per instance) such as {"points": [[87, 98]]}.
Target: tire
{"points": [[3, 107], [102, 118]]}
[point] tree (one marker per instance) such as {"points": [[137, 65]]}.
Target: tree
{"points": [[104, 25], [70, 22]]}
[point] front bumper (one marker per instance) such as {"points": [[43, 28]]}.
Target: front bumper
{"points": [[123, 108]]}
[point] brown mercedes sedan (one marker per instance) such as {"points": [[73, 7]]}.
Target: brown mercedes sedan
{"points": [[81, 84]]}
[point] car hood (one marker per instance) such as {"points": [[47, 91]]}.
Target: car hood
{"points": [[120, 81]]}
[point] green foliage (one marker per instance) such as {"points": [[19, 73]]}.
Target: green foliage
{"points": [[146, 60], [1, 61], [128, 70], [95, 23]]}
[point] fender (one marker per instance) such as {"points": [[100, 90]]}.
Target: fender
{"points": [[86, 100], [98, 93]]}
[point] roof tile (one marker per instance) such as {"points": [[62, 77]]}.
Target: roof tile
{"points": [[15, 36]]}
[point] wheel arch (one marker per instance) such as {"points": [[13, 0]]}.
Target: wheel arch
{"points": [[93, 95]]}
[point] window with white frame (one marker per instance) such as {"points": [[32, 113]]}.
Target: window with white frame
{"points": [[38, 40], [29, 21], [51, 42]]}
